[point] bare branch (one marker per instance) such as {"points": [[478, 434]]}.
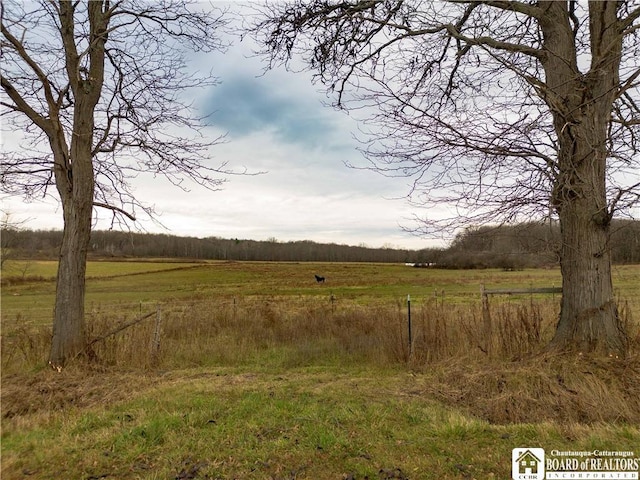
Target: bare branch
{"points": [[21, 105], [626, 24], [511, 5], [130, 216], [495, 44], [31, 63]]}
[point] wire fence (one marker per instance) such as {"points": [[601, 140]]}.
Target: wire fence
{"points": [[228, 330]]}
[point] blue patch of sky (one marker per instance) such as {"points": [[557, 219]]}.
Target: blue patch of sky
{"points": [[243, 105]]}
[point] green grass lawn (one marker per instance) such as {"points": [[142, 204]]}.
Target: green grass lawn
{"points": [[311, 423]]}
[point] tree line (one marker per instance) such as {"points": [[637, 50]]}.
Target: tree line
{"points": [[510, 247], [531, 244]]}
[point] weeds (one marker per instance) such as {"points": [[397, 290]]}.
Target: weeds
{"points": [[299, 331], [290, 332], [305, 423], [486, 361]]}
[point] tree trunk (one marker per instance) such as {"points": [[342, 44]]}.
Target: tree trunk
{"points": [[581, 105], [69, 332], [74, 175], [75, 183], [589, 320]]}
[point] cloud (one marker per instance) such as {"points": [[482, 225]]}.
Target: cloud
{"points": [[243, 105], [287, 106], [250, 100]]}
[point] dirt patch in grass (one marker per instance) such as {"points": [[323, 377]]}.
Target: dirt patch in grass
{"points": [[546, 388]]}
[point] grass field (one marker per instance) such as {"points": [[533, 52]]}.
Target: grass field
{"points": [[262, 373], [135, 282]]}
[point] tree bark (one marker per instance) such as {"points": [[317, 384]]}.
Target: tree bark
{"points": [[589, 320], [75, 181], [581, 105], [69, 332]]}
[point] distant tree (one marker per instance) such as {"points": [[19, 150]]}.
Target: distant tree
{"points": [[625, 241], [95, 87], [502, 109], [8, 238]]}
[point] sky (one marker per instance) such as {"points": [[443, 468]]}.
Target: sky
{"points": [[277, 123]]}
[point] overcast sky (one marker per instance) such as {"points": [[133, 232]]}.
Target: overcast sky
{"points": [[274, 123]]}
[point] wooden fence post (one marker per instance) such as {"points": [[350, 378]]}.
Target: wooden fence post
{"points": [[155, 347]]}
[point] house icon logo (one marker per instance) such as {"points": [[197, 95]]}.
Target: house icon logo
{"points": [[527, 464]]}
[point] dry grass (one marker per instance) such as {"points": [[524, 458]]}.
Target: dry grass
{"points": [[542, 388], [501, 379], [305, 423], [45, 392], [290, 382]]}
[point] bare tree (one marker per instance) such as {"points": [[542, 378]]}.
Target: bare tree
{"points": [[8, 229], [95, 89], [500, 110]]}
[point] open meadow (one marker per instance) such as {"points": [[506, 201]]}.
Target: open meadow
{"points": [[255, 370]]}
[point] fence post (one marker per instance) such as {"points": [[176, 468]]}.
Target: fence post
{"points": [[486, 319], [409, 325], [155, 347]]}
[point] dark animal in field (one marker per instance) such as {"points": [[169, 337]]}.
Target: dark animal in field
{"points": [[319, 279]]}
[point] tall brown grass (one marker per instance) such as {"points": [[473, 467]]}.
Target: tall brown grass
{"points": [[502, 378], [295, 331], [307, 331]]}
